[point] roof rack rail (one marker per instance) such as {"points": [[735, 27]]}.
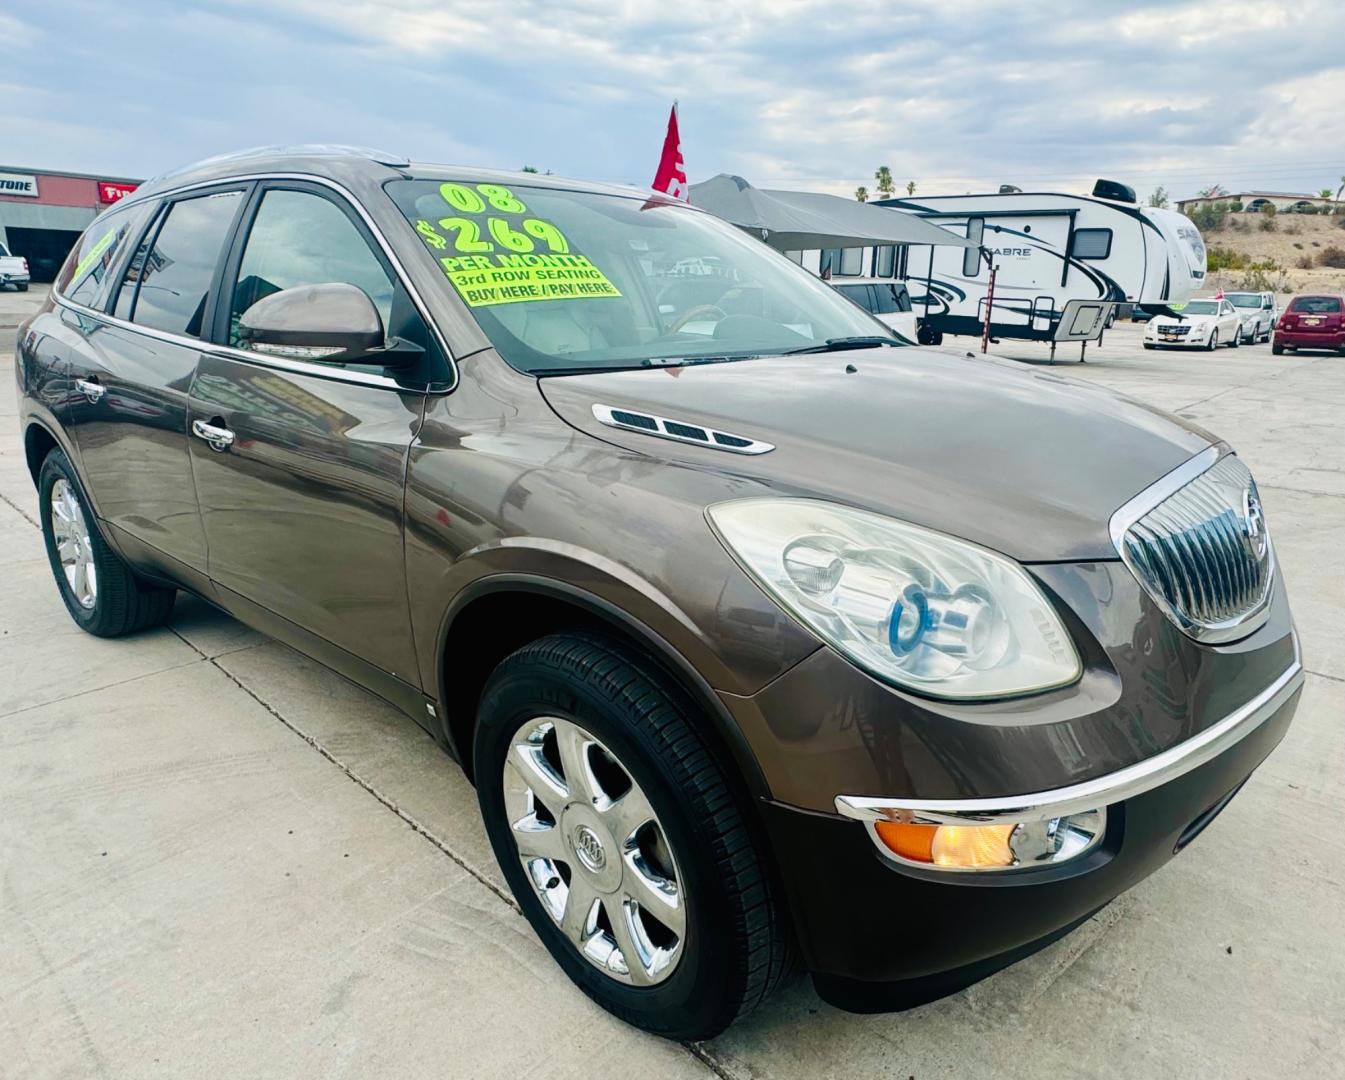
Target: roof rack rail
{"points": [[382, 157]]}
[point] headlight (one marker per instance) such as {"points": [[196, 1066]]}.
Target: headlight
{"points": [[914, 607]]}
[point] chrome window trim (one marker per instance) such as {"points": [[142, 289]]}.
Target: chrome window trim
{"points": [[1159, 492], [604, 414], [299, 367], [1100, 792]]}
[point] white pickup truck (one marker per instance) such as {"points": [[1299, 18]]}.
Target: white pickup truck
{"points": [[13, 270]]}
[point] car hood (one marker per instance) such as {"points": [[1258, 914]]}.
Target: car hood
{"points": [[1020, 460]]}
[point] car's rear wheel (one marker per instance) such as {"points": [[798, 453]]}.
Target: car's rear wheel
{"points": [[1236, 343], [623, 839], [100, 591]]}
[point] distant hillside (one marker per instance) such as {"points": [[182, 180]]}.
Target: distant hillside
{"points": [[1293, 241]]}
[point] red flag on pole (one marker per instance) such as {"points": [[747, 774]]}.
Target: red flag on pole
{"points": [[671, 178]]}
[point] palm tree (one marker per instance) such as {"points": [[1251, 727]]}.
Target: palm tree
{"points": [[529, 168], [1215, 191], [862, 193], [884, 178], [1340, 189], [1325, 193], [910, 188]]}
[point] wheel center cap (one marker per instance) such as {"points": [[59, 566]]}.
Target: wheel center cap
{"points": [[596, 852], [588, 848]]}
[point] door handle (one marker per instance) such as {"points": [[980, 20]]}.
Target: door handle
{"points": [[91, 390], [218, 438]]}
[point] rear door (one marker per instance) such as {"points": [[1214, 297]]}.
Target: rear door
{"points": [[131, 373], [303, 508]]}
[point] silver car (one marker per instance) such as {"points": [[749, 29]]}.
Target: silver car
{"points": [[1258, 312]]}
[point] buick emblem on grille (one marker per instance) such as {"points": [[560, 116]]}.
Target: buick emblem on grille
{"points": [[1256, 523]]}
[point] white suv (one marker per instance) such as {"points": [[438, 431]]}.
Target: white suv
{"points": [[1258, 312], [885, 299]]}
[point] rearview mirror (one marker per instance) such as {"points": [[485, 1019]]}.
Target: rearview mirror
{"points": [[335, 323]]}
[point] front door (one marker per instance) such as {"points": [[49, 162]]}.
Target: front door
{"points": [[300, 465], [131, 373]]}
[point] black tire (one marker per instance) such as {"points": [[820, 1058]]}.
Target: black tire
{"points": [[737, 948], [1147, 345], [124, 603], [23, 287], [1236, 343], [1277, 349], [1213, 342]]}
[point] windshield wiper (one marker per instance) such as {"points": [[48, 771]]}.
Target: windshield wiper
{"points": [[588, 369], [840, 344]]}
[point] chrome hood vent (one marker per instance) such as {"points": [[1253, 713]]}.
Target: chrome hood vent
{"points": [[680, 430], [1197, 542]]}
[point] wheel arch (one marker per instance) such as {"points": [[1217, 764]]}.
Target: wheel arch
{"points": [[497, 614], [38, 442]]}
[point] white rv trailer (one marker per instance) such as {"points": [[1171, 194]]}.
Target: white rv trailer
{"points": [[1049, 249]]}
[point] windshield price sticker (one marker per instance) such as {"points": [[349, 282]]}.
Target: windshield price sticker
{"points": [[492, 257]]}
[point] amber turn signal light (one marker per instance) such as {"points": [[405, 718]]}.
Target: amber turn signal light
{"points": [[967, 847]]}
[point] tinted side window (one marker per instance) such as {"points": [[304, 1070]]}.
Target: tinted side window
{"points": [[885, 261], [83, 279], [299, 238], [1091, 244], [887, 299], [859, 294], [175, 279]]}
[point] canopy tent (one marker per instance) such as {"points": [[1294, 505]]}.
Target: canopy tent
{"points": [[804, 220]]}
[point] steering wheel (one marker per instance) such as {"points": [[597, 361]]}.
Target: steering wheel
{"points": [[692, 313]]}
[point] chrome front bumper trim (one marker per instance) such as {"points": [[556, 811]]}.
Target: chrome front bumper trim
{"points": [[1091, 794]]}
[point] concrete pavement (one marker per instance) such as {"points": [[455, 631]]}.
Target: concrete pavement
{"points": [[217, 857]]}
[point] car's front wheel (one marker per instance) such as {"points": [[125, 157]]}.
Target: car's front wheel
{"points": [[623, 839], [100, 591], [1213, 343]]}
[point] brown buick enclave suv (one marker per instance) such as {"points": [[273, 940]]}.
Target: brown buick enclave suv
{"points": [[766, 637]]}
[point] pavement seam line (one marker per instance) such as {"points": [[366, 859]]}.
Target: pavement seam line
{"points": [[696, 1050], [19, 510]]}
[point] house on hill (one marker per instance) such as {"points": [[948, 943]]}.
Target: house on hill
{"points": [[1283, 201]]}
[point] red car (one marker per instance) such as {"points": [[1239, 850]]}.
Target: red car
{"points": [[1312, 322]]}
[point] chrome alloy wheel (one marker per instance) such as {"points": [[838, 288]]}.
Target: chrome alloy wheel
{"points": [[74, 544], [594, 851]]}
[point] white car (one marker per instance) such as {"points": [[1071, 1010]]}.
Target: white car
{"points": [[13, 270], [886, 300], [1258, 311], [1201, 324]]}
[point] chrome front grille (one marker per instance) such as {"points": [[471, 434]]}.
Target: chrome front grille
{"points": [[1202, 551]]}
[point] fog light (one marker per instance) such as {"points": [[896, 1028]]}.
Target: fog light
{"points": [[997, 846]]}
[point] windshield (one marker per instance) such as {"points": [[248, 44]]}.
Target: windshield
{"points": [[1201, 307], [568, 280], [1244, 299]]}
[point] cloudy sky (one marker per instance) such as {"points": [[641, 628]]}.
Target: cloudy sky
{"points": [[954, 94]]}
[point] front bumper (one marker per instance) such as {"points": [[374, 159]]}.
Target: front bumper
{"points": [[892, 935], [1303, 340], [1193, 341]]}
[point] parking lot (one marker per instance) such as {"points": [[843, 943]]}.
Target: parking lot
{"points": [[218, 858]]}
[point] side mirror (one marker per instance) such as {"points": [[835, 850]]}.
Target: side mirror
{"points": [[335, 323]]}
